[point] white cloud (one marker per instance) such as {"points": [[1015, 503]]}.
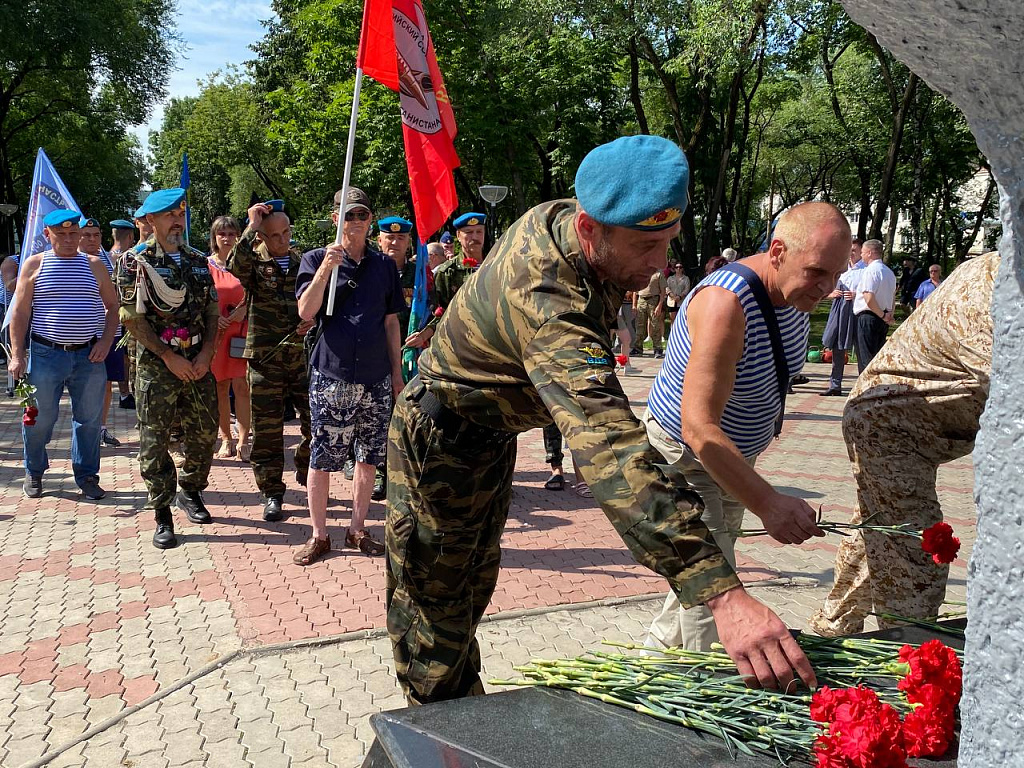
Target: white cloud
{"points": [[217, 34]]}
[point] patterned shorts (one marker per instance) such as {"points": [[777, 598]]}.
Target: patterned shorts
{"points": [[347, 416]]}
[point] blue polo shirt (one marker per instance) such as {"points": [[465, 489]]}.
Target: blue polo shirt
{"points": [[353, 346]]}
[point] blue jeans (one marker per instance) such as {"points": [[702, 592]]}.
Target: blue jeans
{"points": [[50, 371]]}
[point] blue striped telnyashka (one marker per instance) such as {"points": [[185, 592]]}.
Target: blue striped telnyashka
{"points": [[750, 414], [66, 303]]}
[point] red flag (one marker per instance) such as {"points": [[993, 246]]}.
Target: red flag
{"points": [[395, 49]]}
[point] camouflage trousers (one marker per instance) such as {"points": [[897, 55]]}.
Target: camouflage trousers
{"points": [[895, 453], [447, 505], [270, 384], [162, 400], [647, 323]]}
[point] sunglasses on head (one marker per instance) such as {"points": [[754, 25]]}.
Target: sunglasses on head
{"points": [[360, 215]]}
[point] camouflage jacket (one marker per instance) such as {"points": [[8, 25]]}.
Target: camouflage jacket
{"points": [[449, 277], [936, 366], [407, 275], [193, 275], [527, 339], [270, 293]]}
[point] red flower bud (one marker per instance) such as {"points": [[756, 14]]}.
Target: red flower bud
{"points": [[28, 421], [439, 311], [32, 411]]}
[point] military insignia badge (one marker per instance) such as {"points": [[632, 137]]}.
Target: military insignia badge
{"points": [[396, 227], [473, 221], [595, 355], [661, 219]]}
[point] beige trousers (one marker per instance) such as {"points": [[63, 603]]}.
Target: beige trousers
{"points": [[694, 628]]}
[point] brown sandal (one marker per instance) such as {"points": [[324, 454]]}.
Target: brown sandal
{"points": [[364, 542], [312, 551]]}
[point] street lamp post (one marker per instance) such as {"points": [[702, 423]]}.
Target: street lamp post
{"points": [[493, 194]]}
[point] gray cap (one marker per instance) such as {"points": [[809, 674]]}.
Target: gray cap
{"points": [[355, 198]]}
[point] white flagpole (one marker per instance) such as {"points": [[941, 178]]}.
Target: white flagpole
{"points": [[345, 180]]}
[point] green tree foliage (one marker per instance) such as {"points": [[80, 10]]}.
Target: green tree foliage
{"points": [[774, 102], [73, 78]]}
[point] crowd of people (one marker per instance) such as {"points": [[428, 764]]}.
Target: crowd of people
{"points": [[517, 340]]}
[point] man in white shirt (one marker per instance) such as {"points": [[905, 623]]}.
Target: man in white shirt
{"points": [[873, 304]]}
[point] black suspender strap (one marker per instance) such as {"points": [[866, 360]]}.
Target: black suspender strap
{"points": [[772, 324]]}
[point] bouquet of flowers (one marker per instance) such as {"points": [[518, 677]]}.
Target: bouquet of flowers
{"points": [[27, 395], [845, 724]]}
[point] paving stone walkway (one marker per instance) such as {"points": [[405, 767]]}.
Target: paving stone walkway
{"points": [[222, 652]]}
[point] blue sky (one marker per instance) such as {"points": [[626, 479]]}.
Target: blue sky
{"points": [[216, 34]]}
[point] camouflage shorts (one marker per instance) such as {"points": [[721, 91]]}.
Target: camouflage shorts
{"points": [[347, 416]]}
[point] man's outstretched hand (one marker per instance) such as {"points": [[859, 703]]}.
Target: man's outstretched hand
{"points": [[763, 649]]}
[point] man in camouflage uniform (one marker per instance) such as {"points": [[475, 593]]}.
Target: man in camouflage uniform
{"points": [[266, 265], [470, 228], [525, 341], [917, 405], [169, 305]]}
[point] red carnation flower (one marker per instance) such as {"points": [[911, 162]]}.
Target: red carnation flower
{"points": [[939, 542], [32, 411], [861, 731], [28, 421], [934, 672], [928, 730], [470, 262], [439, 311], [622, 360]]}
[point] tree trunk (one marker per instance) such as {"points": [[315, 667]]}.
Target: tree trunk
{"points": [[962, 254], [890, 235], [634, 88], [892, 156]]}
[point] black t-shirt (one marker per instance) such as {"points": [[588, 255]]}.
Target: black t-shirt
{"points": [[353, 344]]}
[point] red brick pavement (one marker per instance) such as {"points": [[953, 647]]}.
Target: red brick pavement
{"points": [[87, 603]]}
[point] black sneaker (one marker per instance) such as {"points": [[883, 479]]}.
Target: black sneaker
{"points": [[33, 486], [108, 439], [658, 354], [90, 488], [272, 511], [127, 402], [191, 503]]}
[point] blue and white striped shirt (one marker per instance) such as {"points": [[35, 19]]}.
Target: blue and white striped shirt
{"points": [[66, 303], [754, 405]]}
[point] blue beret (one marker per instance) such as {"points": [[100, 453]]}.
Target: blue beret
{"points": [[122, 224], [395, 225], [87, 221], [637, 182], [446, 237], [276, 206], [469, 220], [61, 217], [162, 200]]}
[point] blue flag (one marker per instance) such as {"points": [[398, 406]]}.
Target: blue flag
{"points": [[186, 182], [48, 193], [418, 314]]}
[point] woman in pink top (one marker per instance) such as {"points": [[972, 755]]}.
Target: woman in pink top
{"points": [[229, 371]]}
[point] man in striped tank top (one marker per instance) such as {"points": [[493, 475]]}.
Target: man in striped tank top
{"points": [[66, 309], [716, 403]]}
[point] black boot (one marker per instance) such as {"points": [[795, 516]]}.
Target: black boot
{"points": [[272, 511], [380, 486], [191, 503], [163, 538]]}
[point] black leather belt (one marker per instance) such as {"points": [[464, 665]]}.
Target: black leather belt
{"points": [[66, 347], [456, 429]]}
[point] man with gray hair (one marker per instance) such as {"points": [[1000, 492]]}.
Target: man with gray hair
{"points": [[730, 255], [873, 304]]}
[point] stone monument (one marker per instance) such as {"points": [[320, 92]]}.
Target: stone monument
{"points": [[973, 53]]}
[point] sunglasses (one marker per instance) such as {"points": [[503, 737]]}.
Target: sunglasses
{"points": [[357, 216]]}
